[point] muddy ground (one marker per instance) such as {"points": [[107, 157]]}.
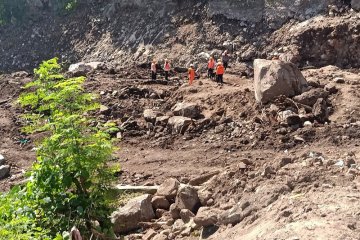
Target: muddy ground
{"points": [[305, 198]]}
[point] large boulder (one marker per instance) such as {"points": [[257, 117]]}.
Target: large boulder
{"points": [[179, 124], [310, 97], [190, 110], [137, 210], [273, 78]]}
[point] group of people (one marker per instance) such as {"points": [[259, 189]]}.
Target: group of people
{"points": [[216, 70]]}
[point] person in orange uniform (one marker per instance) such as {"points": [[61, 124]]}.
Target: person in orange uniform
{"points": [[211, 67], [220, 70], [167, 68], [191, 74]]}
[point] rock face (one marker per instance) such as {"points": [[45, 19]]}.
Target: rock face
{"points": [[274, 78], [137, 210], [189, 110], [179, 124], [275, 12], [355, 4], [4, 171]]}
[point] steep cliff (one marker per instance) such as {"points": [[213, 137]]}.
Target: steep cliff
{"points": [[127, 31]]}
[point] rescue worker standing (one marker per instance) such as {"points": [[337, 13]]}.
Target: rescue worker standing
{"points": [[191, 72], [167, 68], [211, 67], [220, 70], [153, 70], [225, 59]]}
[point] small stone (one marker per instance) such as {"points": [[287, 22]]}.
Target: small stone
{"points": [[339, 80], [284, 161], [4, 171], [307, 124], [349, 161], [104, 109], [268, 171]]}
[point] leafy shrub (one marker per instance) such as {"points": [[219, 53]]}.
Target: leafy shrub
{"points": [[70, 179]]}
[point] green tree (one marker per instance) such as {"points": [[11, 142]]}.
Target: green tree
{"points": [[70, 179]]}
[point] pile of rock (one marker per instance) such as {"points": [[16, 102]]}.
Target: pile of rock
{"points": [[178, 210], [277, 82], [177, 121], [4, 169]]}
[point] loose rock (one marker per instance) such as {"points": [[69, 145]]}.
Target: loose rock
{"points": [[169, 189], [137, 210], [275, 78], [4, 171]]}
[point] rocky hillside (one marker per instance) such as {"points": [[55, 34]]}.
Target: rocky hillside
{"points": [[126, 32]]}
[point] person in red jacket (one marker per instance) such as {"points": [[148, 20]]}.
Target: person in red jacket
{"points": [[191, 72], [220, 70], [167, 68], [211, 68]]}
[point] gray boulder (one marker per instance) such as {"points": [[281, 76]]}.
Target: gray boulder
{"points": [[169, 189], [137, 210], [273, 78], [4, 171], [310, 97], [190, 110], [179, 124]]}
